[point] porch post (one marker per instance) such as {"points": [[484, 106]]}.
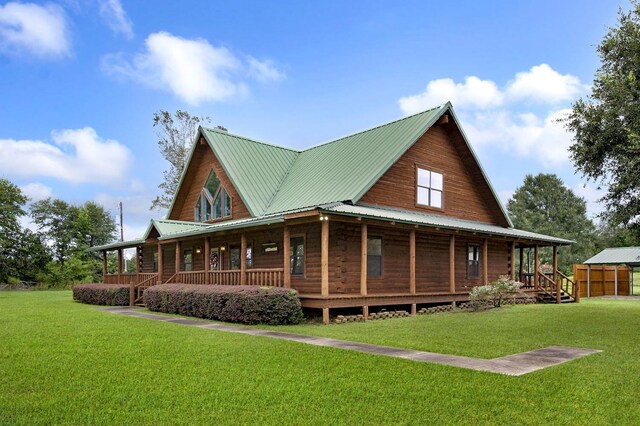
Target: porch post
{"points": [[536, 266], [178, 257], [120, 266], [159, 262], [138, 259], [555, 263], [615, 279], [243, 259], [513, 260], [207, 255], [485, 261], [588, 280], [363, 266], [521, 267], [452, 263], [412, 267], [324, 266], [286, 256], [104, 264]]}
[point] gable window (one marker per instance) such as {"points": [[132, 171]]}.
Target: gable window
{"points": [[473, 261], [297, 255], [214, 201], [429, 188], [374, 256], [187, 260]]}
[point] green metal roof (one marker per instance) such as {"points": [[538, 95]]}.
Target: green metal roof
{"points": [[117, 245], [256, 169], [616, 256], [344, 169], [272, 179], [438, 221]]}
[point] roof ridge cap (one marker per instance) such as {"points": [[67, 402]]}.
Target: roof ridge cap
{"points": [[372, 128], [226, 133]]}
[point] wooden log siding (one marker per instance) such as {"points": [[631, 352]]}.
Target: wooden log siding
{"points": [[440, 149], [202, 162]]}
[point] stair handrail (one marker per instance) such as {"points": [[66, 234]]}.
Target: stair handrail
{"points": [[568, 280]]}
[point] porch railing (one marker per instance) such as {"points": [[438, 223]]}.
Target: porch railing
{"points": [[224, 277]]}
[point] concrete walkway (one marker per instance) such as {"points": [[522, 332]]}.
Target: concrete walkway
{"points": [[512, 365]]}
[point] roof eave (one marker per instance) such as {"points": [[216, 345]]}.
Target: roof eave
{"points": [[551, 240]]}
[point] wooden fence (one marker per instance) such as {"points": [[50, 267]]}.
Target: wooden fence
{"points": [[602, 281]]}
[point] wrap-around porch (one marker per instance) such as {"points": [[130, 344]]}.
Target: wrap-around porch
{"points": [[328, 259]]}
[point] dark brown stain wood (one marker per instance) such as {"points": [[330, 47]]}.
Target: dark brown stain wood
{"points": [[441, 149], [202, 162]]}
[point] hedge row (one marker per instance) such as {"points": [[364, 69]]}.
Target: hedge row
{"points": [[102, 294], [242, 304]]}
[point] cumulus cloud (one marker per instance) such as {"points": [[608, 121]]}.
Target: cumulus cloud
{"points": [[544, 84], [75, 156], [192, 69], [520, 118], [36, 191], [474, 92], [116, 17], [540, 84], [525, 134], [40, 30]]}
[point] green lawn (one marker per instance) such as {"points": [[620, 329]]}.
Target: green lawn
{"points": [[63, 362]]}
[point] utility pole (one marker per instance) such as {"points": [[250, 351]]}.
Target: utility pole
{"points": [[121, 228]]}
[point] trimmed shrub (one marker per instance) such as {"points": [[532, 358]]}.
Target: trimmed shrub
{"points": [[241, 304], [493, 295], [102, 294]]}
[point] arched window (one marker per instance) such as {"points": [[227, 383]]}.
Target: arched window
{"points": [[214, 201]]}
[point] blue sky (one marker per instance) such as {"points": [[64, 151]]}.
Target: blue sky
{"points": [[80, 81]]}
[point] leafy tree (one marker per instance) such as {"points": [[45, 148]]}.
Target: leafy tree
{"points": [[544, 205], [71, 230], [22, 253], [606, 125], [11, 209], [175, 138], [55, 220]]}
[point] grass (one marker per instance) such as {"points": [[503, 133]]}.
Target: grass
{"points": [[66, 363]]}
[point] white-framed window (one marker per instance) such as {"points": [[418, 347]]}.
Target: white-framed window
{"points": [[430, 186], [473, 261]]}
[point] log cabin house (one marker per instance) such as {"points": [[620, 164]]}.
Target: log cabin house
{"points": [[400, 214]]}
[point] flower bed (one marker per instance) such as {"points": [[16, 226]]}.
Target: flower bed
{"points": [[241, 304]]}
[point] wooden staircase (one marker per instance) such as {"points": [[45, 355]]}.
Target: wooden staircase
{"points": [[562, 290]]}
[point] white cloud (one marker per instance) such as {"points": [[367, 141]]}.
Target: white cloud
{"points": [[525, 134], [38, 29], [192, 69], [116, 17], [506, 118], [76, 156], [544, 84], [36, 191], [474, 92], [540, 84], [264, 70]]}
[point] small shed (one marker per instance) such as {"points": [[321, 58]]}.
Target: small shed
{"points": [[612, 267]]}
